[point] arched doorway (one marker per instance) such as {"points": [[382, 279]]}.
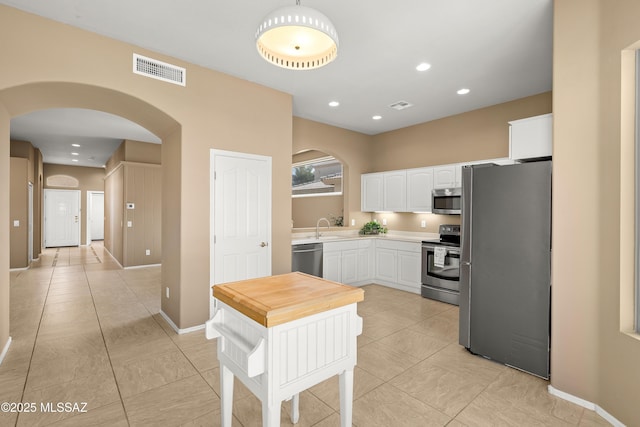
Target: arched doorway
{"points": [[23, 99]]}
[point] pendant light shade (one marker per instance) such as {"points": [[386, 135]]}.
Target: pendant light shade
{"points": [[297, 38]]}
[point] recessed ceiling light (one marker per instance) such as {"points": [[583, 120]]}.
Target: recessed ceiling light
{"points": [[376, 117], [423, 66], [74, 160], [463, 91], [75, 154], [334, 104], [75, 145]]}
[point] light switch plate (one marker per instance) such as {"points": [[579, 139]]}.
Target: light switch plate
{"points": [[129, 224], [384, 221], [423, 223], [16, 223]]}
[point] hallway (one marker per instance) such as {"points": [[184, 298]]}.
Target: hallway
{"points": [[85, 330]]}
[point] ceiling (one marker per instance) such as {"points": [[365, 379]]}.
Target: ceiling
{"points": [[499, 49]]}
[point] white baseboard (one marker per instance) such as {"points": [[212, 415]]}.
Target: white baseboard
{"points": [[19, 269], [175, 327], [585, 404], [142, 266], [5, 350]]}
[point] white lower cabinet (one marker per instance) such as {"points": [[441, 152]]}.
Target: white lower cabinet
{"points": [[347, 262], [386, 263], [392, 263], [331, 264], [398, 264]]}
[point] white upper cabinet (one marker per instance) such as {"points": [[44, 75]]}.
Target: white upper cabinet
{"points": [[445, 176], [384, 191], [395, 191], [531, 138], [419, 186], [372, 188]]}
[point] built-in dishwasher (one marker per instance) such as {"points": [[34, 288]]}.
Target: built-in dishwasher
{"points": [[307, 258]]}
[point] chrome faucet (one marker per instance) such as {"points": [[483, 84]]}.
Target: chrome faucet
{"points": [[318, 226]]}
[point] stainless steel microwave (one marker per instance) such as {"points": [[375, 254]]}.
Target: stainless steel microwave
{"points": [[446, 201]]}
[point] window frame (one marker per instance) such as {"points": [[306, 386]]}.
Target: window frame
{"points": [[315, 161]]}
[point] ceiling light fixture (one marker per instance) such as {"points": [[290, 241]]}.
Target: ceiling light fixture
{"points": [[75, 154], [376, 117], [74, 160], [463, 91], [334, 104], [423, 66], [297, 38], [75, 145]]}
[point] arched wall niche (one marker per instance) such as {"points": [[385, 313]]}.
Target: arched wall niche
{"points": [[307, 210]]}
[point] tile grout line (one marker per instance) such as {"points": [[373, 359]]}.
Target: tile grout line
{"points": [[106, 349], [35, 339]]}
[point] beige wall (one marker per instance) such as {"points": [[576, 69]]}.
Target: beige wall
{"points": [[114, 213], [90, 179], [24, 149], [134, 175], [306, 211], [475, 135], [592, 355], [214, 110], [143, 188], [19, 212]]}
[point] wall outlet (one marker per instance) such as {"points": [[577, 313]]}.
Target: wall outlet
{"points": [[129, 224], [16, 223], [147, 252], [384, 221], [353, 222], [423, 224], [167, 292]]}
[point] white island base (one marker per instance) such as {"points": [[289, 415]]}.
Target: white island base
{"points": [[277, 362]]}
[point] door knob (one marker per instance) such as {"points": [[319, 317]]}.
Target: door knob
{"points": [[263, 244]]}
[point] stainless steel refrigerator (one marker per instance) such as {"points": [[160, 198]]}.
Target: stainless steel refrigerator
{"points": [[505, 264]]}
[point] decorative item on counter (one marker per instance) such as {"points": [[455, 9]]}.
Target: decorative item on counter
{"points": [[373, 227], [338, 221]]}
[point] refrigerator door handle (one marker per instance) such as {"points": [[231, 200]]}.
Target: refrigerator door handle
{"points": [[465, 226], [464, 337]]}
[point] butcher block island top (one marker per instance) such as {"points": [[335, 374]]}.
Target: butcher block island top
{"points": [[274, 300]]}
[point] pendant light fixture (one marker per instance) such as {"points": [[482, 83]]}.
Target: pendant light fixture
{"points": [[297, 38]]}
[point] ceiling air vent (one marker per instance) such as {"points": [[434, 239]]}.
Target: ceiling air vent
{"points": [[159, 70], [400, 105]]}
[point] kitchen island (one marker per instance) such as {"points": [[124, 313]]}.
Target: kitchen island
{"points": [[281, 335]]}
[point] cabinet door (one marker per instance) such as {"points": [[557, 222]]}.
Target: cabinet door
{"points": [[395, 191], [444, 176], [332, 266], [349, 266], [364, 264], [419, 186], [372, 187], [531, 138], [409, 269], [386, 264]]}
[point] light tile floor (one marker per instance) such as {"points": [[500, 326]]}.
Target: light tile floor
{"points": [[85, 330]]}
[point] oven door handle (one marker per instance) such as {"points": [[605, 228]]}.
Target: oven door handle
{"points": [[450, 250]]}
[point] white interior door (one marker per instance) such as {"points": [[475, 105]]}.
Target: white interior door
{"points": [[96, 216], [240, 217], [61, 218]]}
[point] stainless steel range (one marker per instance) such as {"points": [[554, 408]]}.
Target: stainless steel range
{"points": [[441, 266]]}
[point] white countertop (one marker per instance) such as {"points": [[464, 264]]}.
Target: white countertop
{"points": [[332, 236]]}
